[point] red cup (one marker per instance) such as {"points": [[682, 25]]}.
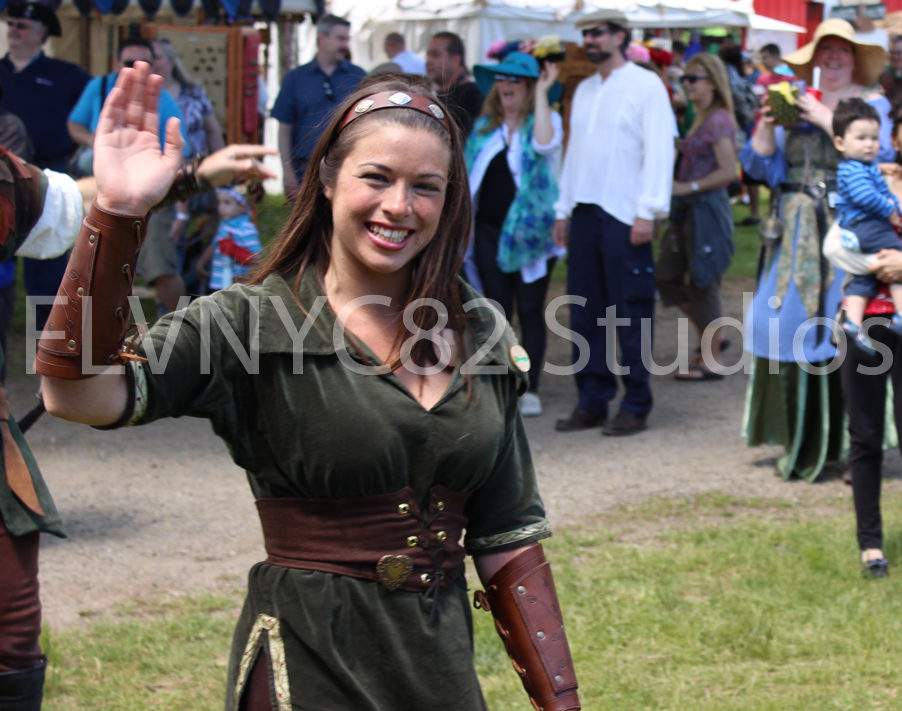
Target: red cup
{"points": [[816, 93]]}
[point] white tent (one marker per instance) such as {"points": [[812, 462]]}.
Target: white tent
{"points": [[481, 22]]}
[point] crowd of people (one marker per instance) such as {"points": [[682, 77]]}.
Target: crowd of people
{"points": [[610, 197], [377, 168]]}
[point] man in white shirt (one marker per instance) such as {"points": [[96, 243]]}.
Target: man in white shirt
{"points": [[615, 181], [396, 49]]}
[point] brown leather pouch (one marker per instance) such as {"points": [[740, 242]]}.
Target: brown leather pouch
{"points": [[528, 617], [102, 266]]}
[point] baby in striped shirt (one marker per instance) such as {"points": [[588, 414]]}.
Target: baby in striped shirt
{"points": [[868, 212], [236, 244]]}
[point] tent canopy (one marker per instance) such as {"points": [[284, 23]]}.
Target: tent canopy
{"points": [[231, 9], [481, 22]]}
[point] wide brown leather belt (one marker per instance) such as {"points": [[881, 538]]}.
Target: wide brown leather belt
{"points": [[385, 538]]}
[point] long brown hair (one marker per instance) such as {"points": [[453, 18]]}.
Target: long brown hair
{"points": [[306, 239], [723, 96], [493, 109]]}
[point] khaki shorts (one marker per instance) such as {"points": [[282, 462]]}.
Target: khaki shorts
{"points": [[157, 258]]}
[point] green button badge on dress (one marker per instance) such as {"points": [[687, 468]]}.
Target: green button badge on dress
{"points": [[520, 358]]}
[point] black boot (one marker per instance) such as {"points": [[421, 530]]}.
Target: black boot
{"points": [[22, 690]]}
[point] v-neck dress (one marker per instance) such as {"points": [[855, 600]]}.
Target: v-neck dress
{"points": [[302, 423]]}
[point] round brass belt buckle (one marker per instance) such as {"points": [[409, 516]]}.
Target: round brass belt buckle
{"points": [[393, 570]]}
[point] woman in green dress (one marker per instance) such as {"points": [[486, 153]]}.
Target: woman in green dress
{"points": [[794, 397], [370, 395]]}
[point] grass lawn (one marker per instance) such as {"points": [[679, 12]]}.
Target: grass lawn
{"points": [[698, 604]]}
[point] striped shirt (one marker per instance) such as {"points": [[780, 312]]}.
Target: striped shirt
{"points": [[862, 193], [234, 247]]}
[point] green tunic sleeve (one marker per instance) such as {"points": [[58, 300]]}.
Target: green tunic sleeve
{"points": [[507, 510]]}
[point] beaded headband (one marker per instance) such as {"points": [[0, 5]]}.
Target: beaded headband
{"points": [[396, 100]]}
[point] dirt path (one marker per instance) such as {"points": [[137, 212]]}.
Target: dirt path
{"points": [[162, 509]]}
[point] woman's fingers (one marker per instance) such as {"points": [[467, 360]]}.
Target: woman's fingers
{"points": [[251, 151], [175, 142], [113, 112], [153, 85], [134, 110]]}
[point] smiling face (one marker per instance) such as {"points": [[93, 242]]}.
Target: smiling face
{"points": [[387, 200], [513, 94], [836, 58], [861, 141]]}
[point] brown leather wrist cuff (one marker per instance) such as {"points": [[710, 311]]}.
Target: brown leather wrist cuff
{"points": [[528, 617], [101, 271]]}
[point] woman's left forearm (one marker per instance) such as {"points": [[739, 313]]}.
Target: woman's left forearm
{"points": [[544, 131], [533, 634]]}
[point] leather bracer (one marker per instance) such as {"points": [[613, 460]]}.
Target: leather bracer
{"points": [[102, 266], [528, 617]]}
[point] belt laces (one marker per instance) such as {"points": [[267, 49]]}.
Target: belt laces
{"points": [[439, 555]]}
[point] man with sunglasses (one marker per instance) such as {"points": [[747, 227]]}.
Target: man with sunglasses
{"points": [[41, 91], [308, 95], [615, 181]]}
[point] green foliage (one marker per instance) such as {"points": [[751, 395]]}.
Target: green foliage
{"points": [[687, 604]]}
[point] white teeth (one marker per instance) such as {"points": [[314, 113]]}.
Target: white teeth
{"points": [[396, 236]]}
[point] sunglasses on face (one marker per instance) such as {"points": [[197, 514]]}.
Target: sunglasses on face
{"points": [[20, 25], [508, 77], [596, 32], [692, 78]]}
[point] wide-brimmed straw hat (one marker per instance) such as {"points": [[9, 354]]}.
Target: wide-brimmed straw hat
{"points": [[599, 17], [870, 59]]}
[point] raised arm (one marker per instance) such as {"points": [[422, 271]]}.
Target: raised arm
{"points": [[132, 175]]}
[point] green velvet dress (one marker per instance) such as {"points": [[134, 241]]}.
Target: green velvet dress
{"points": [[308, 426]]}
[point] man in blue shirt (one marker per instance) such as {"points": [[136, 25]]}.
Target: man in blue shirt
{"points": [[309, 94], [83, 118], [38, 89], [157, 263], [41, 91]]}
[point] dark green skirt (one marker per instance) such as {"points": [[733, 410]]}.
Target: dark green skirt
{"points": [[801, 412]]}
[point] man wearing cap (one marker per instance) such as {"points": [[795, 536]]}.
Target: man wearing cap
{"points": [[615, 181], [308, 96], [41, 91]]}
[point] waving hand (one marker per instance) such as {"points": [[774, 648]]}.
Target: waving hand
{"points": [[132, 173]]}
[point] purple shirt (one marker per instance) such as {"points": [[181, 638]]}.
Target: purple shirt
{"points": [[698, 149]]}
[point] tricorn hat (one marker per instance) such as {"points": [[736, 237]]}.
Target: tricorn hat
{"points": [[41, 10], [870, 59], [599, 17]]}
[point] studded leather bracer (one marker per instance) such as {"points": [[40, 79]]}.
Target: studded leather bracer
{"points": [[102, 266], [522, 598]]}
